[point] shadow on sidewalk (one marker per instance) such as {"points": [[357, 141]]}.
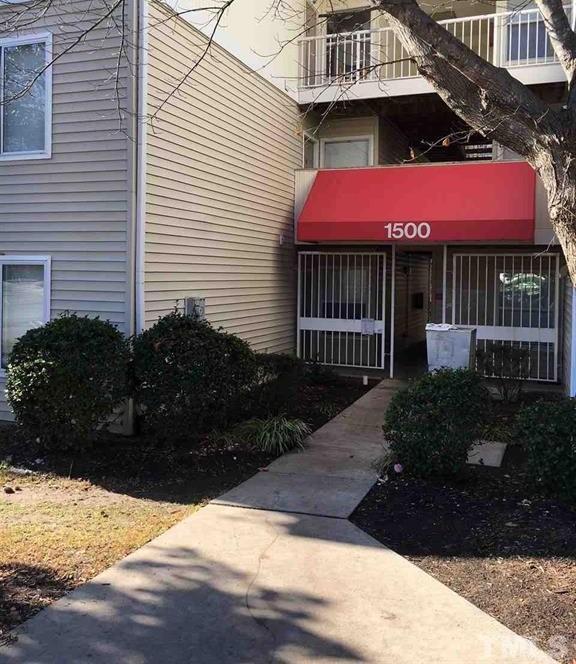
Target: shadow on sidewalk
{"points": [[180, 608]]}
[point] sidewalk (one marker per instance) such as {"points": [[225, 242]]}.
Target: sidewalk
{"points": [[273, 572]]}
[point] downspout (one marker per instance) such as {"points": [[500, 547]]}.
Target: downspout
{"points": [[141, 125], [572, 385]]}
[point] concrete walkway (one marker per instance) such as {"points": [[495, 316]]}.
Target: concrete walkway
{"points": [[273, 572]]}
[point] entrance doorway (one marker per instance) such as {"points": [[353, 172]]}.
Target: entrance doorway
{"points": [[412, 311]]}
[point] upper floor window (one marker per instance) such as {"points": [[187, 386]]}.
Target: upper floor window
{"points": [[346, 152], [310, 151], [25, 96]]}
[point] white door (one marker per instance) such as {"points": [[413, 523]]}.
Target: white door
{"points": [[341, 308], [511, 299]]}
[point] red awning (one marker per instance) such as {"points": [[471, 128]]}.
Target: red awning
{"points": [[492, 201]]}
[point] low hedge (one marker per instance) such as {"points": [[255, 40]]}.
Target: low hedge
{"points": [[432, 424], [188, 375], [277, 389], [548, 432], [66, 378]]}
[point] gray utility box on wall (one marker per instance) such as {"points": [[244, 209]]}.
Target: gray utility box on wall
{"points": [[195, 306], [450, 346]]}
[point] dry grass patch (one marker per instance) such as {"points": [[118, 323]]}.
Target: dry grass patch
{"points": [[57, 533]]}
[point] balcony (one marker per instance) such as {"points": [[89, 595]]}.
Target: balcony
{"points": [[373, 63]]}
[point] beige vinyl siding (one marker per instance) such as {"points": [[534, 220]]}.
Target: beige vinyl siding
{"points": [[220, 189], [73, 207]]}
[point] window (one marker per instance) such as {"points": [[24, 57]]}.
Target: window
{"points": [[24, 298], [347, 152], [310, 148], [26, 97]]}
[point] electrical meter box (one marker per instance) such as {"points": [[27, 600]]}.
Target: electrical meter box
{"points": [[195, 306]]}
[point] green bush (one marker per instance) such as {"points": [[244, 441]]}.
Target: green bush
{"points": [[275, 435], [66, 378], [278, 364], [276, 392], [548, 432], [321, 374], [432, 424], [189, 376], [509, 367]]}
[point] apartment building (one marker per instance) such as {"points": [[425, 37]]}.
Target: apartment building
{"points": [[268, 172], [404, 215], [129, 187]]}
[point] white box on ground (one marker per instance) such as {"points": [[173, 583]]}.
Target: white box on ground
{"points": [[450, 346]]}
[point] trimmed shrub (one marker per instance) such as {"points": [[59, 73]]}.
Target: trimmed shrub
{"points": [[274, 435], [66, 378], [279, 378], [279, 364], [548, 431], [432, 424], [321, 374], [189, 376], [509, 367]]}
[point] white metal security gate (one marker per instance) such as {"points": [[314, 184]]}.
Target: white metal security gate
{"points": [[342, 308], [511, 298]]}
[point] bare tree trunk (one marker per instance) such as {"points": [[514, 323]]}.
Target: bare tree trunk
{"points": [[558, 174]]}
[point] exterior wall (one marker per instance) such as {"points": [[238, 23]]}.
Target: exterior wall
{"points": [[259, 35], [74, 206], [220, 189], [543, 232]]}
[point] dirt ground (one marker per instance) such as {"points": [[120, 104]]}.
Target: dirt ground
{"points": [[490, 539], [57, 533]]}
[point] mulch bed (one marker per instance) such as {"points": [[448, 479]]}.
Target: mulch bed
{"points": [[490, 539], [187, 470]]}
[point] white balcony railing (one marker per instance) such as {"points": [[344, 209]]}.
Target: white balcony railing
{"points": [[510, 39]]}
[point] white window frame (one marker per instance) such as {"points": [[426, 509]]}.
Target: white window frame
{"points": [[46, 261], [37, 38], [307, 136], [344, 139]]}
